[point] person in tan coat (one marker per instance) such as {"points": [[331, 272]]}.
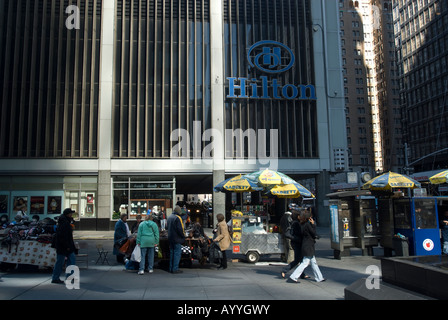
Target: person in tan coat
{"points": [[223, 239]]}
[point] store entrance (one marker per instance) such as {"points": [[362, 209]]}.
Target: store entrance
{"points": [[142, 195], [195, 194]]}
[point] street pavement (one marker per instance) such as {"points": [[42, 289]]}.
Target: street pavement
{"points": [[240, 281]]}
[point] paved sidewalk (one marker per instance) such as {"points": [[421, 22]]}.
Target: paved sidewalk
{"points": [[240, 281]]}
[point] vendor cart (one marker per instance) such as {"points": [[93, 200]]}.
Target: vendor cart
{"points": [[252, 240]]}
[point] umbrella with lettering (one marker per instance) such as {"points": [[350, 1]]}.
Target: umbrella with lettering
{"points": [[390, 180], [237, 184], [291, 190], [279, 184], [269, 178], [439, 178]]}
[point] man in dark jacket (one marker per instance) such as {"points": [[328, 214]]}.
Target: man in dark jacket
{"points": [[65, 246], [176, 237]]}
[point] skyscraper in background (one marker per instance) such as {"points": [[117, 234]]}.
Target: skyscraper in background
{"points": [[370, 77], [421, 39]]}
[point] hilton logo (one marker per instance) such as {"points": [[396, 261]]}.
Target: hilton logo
{"points": [[269, 57]]}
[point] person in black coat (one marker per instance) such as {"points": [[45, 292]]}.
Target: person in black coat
{"points": [[308, 250], [64, 244], [176, 237], [296, 244]]}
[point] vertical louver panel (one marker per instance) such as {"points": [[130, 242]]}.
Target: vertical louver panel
{"points": [[49, 79], [162, 81], [288, 22]]}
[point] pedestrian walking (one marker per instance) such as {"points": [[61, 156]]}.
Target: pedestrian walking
{"points": [[121, 235], [64, 244], [308, 249], [147, 240], [296, 238], [176, 237], [223, 239]]}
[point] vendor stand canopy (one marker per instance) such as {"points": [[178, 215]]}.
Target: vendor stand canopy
{"points": [[390, 180], [439, 178], [272, 182], [266, 178], [291, 190], [279, 184], [237, 184]]}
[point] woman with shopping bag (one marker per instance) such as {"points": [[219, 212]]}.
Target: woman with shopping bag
{"points": [[147, 239]]}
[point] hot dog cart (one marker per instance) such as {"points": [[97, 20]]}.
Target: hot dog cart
{"points": [[252, 235]]}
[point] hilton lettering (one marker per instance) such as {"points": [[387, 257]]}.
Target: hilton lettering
{"points": [[274, 91]]}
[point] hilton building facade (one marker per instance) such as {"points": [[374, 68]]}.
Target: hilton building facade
{"points": [[121, 104]]}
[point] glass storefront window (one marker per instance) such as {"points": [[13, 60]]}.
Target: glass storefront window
{"points": [[88, 201], [402, 214], [138, 194], [425, 214], [72, 201], [80, 196], [121, 203], [82, 202]]}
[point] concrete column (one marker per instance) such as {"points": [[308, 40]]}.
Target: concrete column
{"points": [[104, 200], [323, 188], [217, 100], [105, 114]]}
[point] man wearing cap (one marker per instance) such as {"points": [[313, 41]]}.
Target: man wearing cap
{"points": [[65, 246], [176, 237]]}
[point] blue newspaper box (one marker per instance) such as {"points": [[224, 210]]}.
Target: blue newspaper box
{"points": [[417, 219]]}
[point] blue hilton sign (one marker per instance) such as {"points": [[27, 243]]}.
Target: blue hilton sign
{"points": [[270, 57]]}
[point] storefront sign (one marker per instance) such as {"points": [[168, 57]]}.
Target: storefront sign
{"points": [[270, 57]]}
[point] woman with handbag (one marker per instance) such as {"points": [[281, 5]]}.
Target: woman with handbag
{"points": [[222, 239], [147, 240]]}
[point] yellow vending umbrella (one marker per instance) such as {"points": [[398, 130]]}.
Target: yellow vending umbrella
{"points": [[237, 184], [439, 178], [279, 184], [291, 190], [388, 181], [267, 178]]}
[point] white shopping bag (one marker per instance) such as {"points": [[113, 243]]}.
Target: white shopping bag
{"points": [[136, 254]]}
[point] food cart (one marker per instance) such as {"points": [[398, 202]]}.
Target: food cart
{"points": [[252, 235]]}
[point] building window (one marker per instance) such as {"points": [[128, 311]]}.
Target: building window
{"points": [[142, 195]]}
